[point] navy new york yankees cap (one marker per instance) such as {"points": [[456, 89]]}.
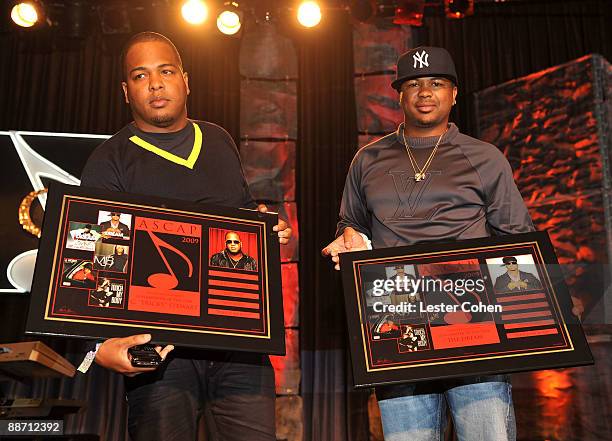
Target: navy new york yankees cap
{"points": [[424, 61]]}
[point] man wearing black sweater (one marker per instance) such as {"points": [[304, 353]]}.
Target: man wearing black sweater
{"points": [[166, 154]]}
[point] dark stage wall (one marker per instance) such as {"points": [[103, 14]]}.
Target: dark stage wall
{"points": [[501, 42], [47, 83], [554, 127]]}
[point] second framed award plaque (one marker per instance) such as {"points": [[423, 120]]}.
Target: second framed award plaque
{"points": [[113, 265], [473, 307]]}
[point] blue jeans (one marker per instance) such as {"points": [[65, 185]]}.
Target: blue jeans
{"points": [[481, 408]]}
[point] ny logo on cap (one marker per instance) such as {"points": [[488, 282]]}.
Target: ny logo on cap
{"points": [[421, 59]]}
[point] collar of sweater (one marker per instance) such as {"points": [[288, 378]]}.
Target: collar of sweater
{"points": [[427, 141]]}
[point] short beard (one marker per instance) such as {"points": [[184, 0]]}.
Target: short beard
{"points": [[233, 254], [426, 124], [162, 120]]}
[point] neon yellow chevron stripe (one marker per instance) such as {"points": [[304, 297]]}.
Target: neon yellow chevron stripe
{"points": [[189, 162]]}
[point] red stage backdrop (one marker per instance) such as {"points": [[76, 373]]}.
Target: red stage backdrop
{"points": [[268, 132], [553, 126]]}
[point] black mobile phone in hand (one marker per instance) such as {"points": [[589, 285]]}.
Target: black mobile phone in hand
{"points": [[144, 356]]}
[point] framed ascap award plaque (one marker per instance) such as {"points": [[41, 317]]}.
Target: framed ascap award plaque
{"points": [[473, 307], [114, 264]]}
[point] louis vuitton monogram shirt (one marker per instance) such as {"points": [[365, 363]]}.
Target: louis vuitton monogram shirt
{"points": [[468, 192]]}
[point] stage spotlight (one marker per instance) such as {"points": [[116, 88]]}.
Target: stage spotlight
{"points": [[194, 12], [228, 20], [25, 14], [458, 8], [409, 12], [309, 14]]}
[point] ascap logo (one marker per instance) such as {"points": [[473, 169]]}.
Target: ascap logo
{"points": [[421, 59]]}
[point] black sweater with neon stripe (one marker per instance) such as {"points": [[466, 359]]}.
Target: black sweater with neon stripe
{"points": [[216, 178]]}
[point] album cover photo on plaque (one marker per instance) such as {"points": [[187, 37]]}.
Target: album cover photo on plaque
{"points": [[113, 264], [471, 307]]}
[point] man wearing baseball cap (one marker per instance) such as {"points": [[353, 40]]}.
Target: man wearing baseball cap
{"points": [[514, 279], [428, 182]]}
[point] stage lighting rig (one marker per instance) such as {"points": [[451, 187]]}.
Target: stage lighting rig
{"points": [[229, 20], [69, 18], [385, 8], [114, 19], [309, 14], [73, 18], [458, 8], [194, 12], [27, 14], [362, 10], [402, 12], [409, 12], [76, 22]]}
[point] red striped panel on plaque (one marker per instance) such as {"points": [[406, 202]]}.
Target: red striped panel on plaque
{"points": [[235, 303], [523, 306], [228, 313], [527, 311], [520, 298], [529, 324], [234, 275], [534, 333], [226, 293], [240, 297], [229, 284]]}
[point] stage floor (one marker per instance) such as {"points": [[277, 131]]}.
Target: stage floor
{"points": [[569, 404]]}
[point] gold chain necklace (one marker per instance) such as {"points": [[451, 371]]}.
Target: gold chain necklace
{"points": [[231, 261], [419, 173]]}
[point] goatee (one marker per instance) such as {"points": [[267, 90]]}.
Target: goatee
{"points": [[162, 120]]}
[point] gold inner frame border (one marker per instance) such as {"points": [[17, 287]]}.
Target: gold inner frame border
{"points": [[66, 198], [450, 252]]}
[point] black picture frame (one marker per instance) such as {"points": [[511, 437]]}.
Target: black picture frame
{"points": [[167, 285], [534, 330]]}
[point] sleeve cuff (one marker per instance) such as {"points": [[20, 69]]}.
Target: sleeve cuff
{"points": [[367, 241]]}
